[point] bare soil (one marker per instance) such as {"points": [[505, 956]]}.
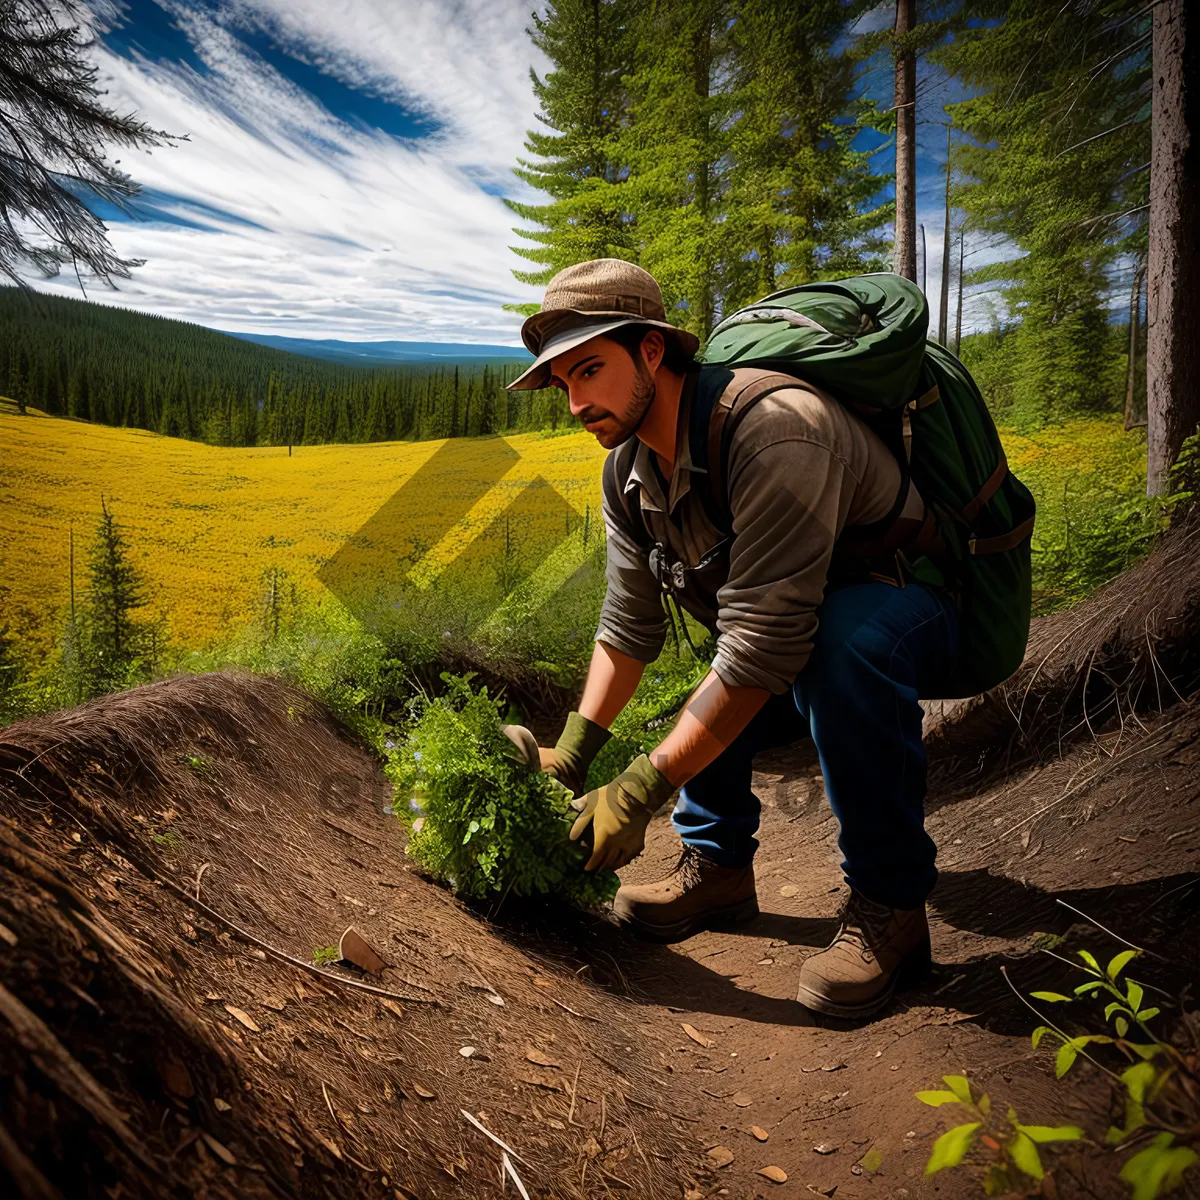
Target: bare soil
{"points": [[147, 1048]]}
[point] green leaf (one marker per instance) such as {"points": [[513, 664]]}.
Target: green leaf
{"points": [[985, 1104], [1158, 1168], [936, 1099], [1122, 1026], [1120, 962], [1039, 1033], [1090, 959], [1144, 1051], [1024, 1155], [1052, 1133], [1137, 1079], [951, 1148], [1067, 1053], [1115, 1006], [1134, 995], [1052, 997], [959, 1086], [1147, 1013], [1090, 986]]}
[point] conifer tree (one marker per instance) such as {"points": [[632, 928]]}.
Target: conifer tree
{"points": [[51, 146], [1054, 165], [581, 100], [115, 591]]}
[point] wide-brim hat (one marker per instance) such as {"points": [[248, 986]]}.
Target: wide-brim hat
{"points": [[587, 301]]}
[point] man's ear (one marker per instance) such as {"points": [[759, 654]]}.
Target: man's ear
{"points": [[654, 347]]}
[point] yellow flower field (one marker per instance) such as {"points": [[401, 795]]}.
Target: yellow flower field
{"points": [[204, 522]]}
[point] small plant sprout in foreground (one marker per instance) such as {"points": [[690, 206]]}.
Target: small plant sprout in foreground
{"points": [[324, 956], [1013, 1146], [1156, 1083]]}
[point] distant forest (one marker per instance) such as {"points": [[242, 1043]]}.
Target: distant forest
{"points": [[115, 367]]}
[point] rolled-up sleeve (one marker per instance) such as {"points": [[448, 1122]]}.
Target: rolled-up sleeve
{"points": [[785, 498], [632, 621]]}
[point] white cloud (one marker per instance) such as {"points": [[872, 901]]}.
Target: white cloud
{"points": [[311, 226]]}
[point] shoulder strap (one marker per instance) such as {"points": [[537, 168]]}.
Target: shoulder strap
{"points": [[617, 466], [723, 397]]}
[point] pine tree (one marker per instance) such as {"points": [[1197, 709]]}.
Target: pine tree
{"points": [[581, 100], [51, 142], [676, 142], [116, 590], [802, 202], [1054, 166]]}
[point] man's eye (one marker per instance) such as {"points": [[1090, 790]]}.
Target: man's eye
{"points": [[588, 372]]}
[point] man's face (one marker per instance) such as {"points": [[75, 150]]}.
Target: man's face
{"points": [[607, 390]]}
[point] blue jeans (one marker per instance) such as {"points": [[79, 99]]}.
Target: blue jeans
{"points": [[877, 649]]}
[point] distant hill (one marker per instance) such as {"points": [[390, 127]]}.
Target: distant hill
{"points": [[378, 354], [114, 366]]}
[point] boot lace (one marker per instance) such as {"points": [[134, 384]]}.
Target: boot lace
{"points": [[864, 923], [690, 868]]}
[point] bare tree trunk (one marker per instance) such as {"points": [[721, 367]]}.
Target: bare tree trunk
{"points": [[923, 260], [1135, 316], [962, 237], [1172, 348], [904, 252], [944, 305]]}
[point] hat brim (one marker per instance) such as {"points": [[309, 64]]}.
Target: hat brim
{"points": [[537, 375]]}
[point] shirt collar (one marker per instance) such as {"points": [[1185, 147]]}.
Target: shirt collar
{"points": [[643, 474]]}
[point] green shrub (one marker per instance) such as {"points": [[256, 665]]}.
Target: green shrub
{"points": [[477, 818]]}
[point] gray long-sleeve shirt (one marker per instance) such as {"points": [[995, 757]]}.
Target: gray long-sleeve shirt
{"points": [[801, 468]]}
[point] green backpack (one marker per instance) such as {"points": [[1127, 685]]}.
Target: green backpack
{"points": [[863, 340]]}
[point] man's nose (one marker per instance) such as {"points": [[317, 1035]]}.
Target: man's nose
{"points": [[575, 404]]}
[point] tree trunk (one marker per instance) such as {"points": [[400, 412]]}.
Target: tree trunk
{"points": [[1172, 348], [962, 237], [1135, 315], [944, 304], [904, 252]]}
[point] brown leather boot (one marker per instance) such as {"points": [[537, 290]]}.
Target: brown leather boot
{"points": [[876, 948], [696, 895]]}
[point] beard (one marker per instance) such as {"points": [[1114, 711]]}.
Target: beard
{"points": [[644, 391]]}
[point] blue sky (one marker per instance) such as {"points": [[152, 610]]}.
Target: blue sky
{"points": [[344, 163]]}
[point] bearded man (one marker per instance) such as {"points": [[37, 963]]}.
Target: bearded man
{"points": [[810, 641]]}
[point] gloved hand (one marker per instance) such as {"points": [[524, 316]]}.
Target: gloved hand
{"points": [[568, 761], [619, 812]]}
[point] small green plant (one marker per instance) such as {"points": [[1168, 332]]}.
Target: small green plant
{"points": [[477, 818], [324, 956], [197, 763], [169, 839], [1014, 1146], [1159, 1085]]}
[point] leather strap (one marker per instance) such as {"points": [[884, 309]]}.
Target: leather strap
{"points": [[971, 510], [1006, 541], [724, 419]]}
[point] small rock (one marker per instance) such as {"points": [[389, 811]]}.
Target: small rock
{"points": [[221, 1106], [742, 1099], [467, 1051], [720, 1156], [774, 1174], [824, 1148], [759, 1132], [789, 889], [354, 948]]}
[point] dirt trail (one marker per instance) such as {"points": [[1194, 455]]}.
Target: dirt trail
{"points": [[146, 1051]]}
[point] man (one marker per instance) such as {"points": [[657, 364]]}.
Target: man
{"points": [[807, 641]]}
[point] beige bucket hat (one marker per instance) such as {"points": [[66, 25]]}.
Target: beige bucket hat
{"points": [[587, 300]]}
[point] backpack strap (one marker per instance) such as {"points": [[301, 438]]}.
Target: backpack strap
{"points": [[617, 468], [721, 401]]}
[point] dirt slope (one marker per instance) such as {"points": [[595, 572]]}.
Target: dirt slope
{"points": [[142, 1043], [128, 1012]]}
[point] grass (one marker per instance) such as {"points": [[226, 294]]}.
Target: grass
{"points": [[242, 550]]}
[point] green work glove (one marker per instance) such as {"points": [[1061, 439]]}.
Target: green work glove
{"points": [[619, 812], [574, 751]]}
